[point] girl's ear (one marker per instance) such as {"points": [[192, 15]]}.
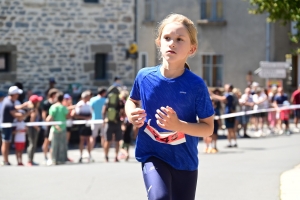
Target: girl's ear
{"points": [[157, 43], [193, 49]]}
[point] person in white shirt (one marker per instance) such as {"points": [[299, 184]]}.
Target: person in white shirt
{"points": [[261, 102], [83, 111], [246, 103]]}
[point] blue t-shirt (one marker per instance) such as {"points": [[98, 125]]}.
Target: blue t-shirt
{"points": [[229, 107], [97, 104], [188, 96], [280, 99]]}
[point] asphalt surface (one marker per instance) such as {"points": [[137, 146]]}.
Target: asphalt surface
{"points": [[251, 171]]}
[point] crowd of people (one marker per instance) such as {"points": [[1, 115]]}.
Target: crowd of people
{"points": [[17, 109], [254, 98]]}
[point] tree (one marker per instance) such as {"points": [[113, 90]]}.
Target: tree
{"points": [[284, 11]]}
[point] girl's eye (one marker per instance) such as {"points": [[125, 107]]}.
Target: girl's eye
{"points": [[167, 38], [179, 39]]}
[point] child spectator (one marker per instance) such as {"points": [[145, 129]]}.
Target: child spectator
{"points": [[20, 138], [284, 117]]}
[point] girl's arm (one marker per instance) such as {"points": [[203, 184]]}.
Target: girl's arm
{"points": [[168, 120], [136, 115]]}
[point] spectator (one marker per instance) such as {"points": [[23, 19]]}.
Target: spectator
{"points": [[126, 128], [20, 137], [67, 102], [2, 95], [45, 112], [83, 111], [295, 99], [272, 115], [228, 99], [33, 131], [285, 116], [52, 83], [58, 112], [279, 98], [254, 85], [260, 100], [97, 104], [8, 113], [112, 111], [246, 103], [211, 141]]}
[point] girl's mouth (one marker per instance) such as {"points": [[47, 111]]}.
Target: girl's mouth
{"points": [[172, 52]]}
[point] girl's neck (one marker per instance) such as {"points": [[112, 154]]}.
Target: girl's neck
{"points": [[170, 70]]}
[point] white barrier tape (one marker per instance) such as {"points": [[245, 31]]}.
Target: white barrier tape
{"points": [[250, 112], [100, 121], [68, 123]]}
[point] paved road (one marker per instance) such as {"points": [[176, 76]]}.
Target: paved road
{"points": [[249, 172]]}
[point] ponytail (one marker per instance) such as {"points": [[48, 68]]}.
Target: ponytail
{"points": [[186, 66]]}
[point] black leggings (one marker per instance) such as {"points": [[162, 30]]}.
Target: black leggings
{"points": [[166, 183]]}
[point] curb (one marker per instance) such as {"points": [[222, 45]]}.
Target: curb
{"points": [[290, 184]]}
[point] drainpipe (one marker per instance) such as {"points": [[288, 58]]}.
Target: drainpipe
{"points": [[268, 45]]}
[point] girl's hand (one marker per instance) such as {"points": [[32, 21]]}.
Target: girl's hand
{"points": [[137, 117], [167, 118]]}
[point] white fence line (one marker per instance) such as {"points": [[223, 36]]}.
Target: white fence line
{"points": [[100, 121]]}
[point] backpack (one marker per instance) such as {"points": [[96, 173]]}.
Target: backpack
{"points": [[113, 103]]}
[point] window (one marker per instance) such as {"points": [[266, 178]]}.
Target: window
{"points": [[91, 1], [212, 66], [211, 10], [149, 10], [294, 30], [4, 62], [100, 66], [143, 59]]}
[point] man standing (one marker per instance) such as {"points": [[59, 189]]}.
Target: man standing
{"points": [[8, 113], [112, 110], [51, 98], [295, 99], [279, 99], [230, 103], [246, 102], [97, 104]]}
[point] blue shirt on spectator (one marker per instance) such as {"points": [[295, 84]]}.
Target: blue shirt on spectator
{"points": [[97, 104], [280, 98]]}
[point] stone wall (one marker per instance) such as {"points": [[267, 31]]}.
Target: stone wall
{"points": [[59, 39]]}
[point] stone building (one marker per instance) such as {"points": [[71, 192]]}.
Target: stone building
{"points": [[73, 41], [231, 41]]}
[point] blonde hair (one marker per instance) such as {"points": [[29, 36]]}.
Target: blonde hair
{"points": [[189, 25]]}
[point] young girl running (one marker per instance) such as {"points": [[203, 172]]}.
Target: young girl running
{"points": [[171, 97]]}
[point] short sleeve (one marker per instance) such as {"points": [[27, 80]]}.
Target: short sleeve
{"points": [[52, 111], [204, 107], [135, 91]]}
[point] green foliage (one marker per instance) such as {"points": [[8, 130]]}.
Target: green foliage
{"points": [[283, 11]]}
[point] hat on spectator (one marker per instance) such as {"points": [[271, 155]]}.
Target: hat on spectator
{"points": [[255, 84], [2, 94], [35, 98], [52, 80], [67, 96], [14, 90]]}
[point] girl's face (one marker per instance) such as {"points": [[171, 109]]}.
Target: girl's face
{"points": [[175, 43]]}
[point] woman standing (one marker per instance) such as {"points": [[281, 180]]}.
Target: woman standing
{"points": [[33, 131]]}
